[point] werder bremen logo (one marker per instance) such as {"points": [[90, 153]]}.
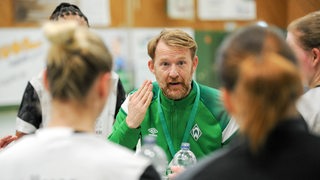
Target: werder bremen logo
{"points": [[196, 132], [153, 131]]}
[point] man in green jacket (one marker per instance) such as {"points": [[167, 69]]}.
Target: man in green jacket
{"points": [[175, 108]]}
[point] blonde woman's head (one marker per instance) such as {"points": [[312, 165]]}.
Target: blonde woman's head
{"points": [[76, 58]]}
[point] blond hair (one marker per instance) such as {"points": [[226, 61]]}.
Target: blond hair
{"points": [[75, 58], [175, 38]]}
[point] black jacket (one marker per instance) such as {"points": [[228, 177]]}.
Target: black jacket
{"points": [[290, 152]]}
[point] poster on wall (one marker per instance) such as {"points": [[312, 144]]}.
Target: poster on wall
{"points": [[117, 40], [226, 9], [22, 56], [181, 9]]}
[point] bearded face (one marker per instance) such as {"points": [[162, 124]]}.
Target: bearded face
{"points": [[173, 68]]}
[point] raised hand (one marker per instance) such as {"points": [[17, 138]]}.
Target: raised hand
{"points": [[138, 104]]}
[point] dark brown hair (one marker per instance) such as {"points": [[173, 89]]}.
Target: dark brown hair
{"points": [[66, 9]]}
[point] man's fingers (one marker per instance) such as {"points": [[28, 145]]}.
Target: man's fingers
{"points": [[143, 86], [149, 96], [142, 93], [145, 89]]}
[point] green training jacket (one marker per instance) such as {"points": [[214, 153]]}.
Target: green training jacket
{"points": [[212, 127]]}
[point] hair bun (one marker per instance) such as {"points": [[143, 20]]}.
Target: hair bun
{"points": [[60, 33]]}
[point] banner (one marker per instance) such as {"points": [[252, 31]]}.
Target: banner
{"points": [[22, 56]]}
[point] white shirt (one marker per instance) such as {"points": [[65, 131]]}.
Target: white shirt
{"points": [[60, 153], [104, 122], [309, 107]]}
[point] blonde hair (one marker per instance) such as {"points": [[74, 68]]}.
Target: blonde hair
{"points": [[75, 59], [175, 38]]}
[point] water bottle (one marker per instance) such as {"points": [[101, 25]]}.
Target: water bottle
{"points": [[184, 157], [155, 153]]}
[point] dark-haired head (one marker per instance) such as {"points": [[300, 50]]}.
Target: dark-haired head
{"points": [[65, 10]]}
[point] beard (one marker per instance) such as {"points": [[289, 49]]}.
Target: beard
{"points": [[176, 91]]}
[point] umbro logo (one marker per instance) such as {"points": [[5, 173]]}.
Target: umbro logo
{"points": [[196, 132]]}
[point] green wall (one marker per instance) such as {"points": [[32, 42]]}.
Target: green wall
{"points": [[8, 120], [208, 44]]}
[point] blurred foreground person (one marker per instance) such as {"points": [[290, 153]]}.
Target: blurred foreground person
{"points": [[260, 86], [78, 78], [304, 38]]}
